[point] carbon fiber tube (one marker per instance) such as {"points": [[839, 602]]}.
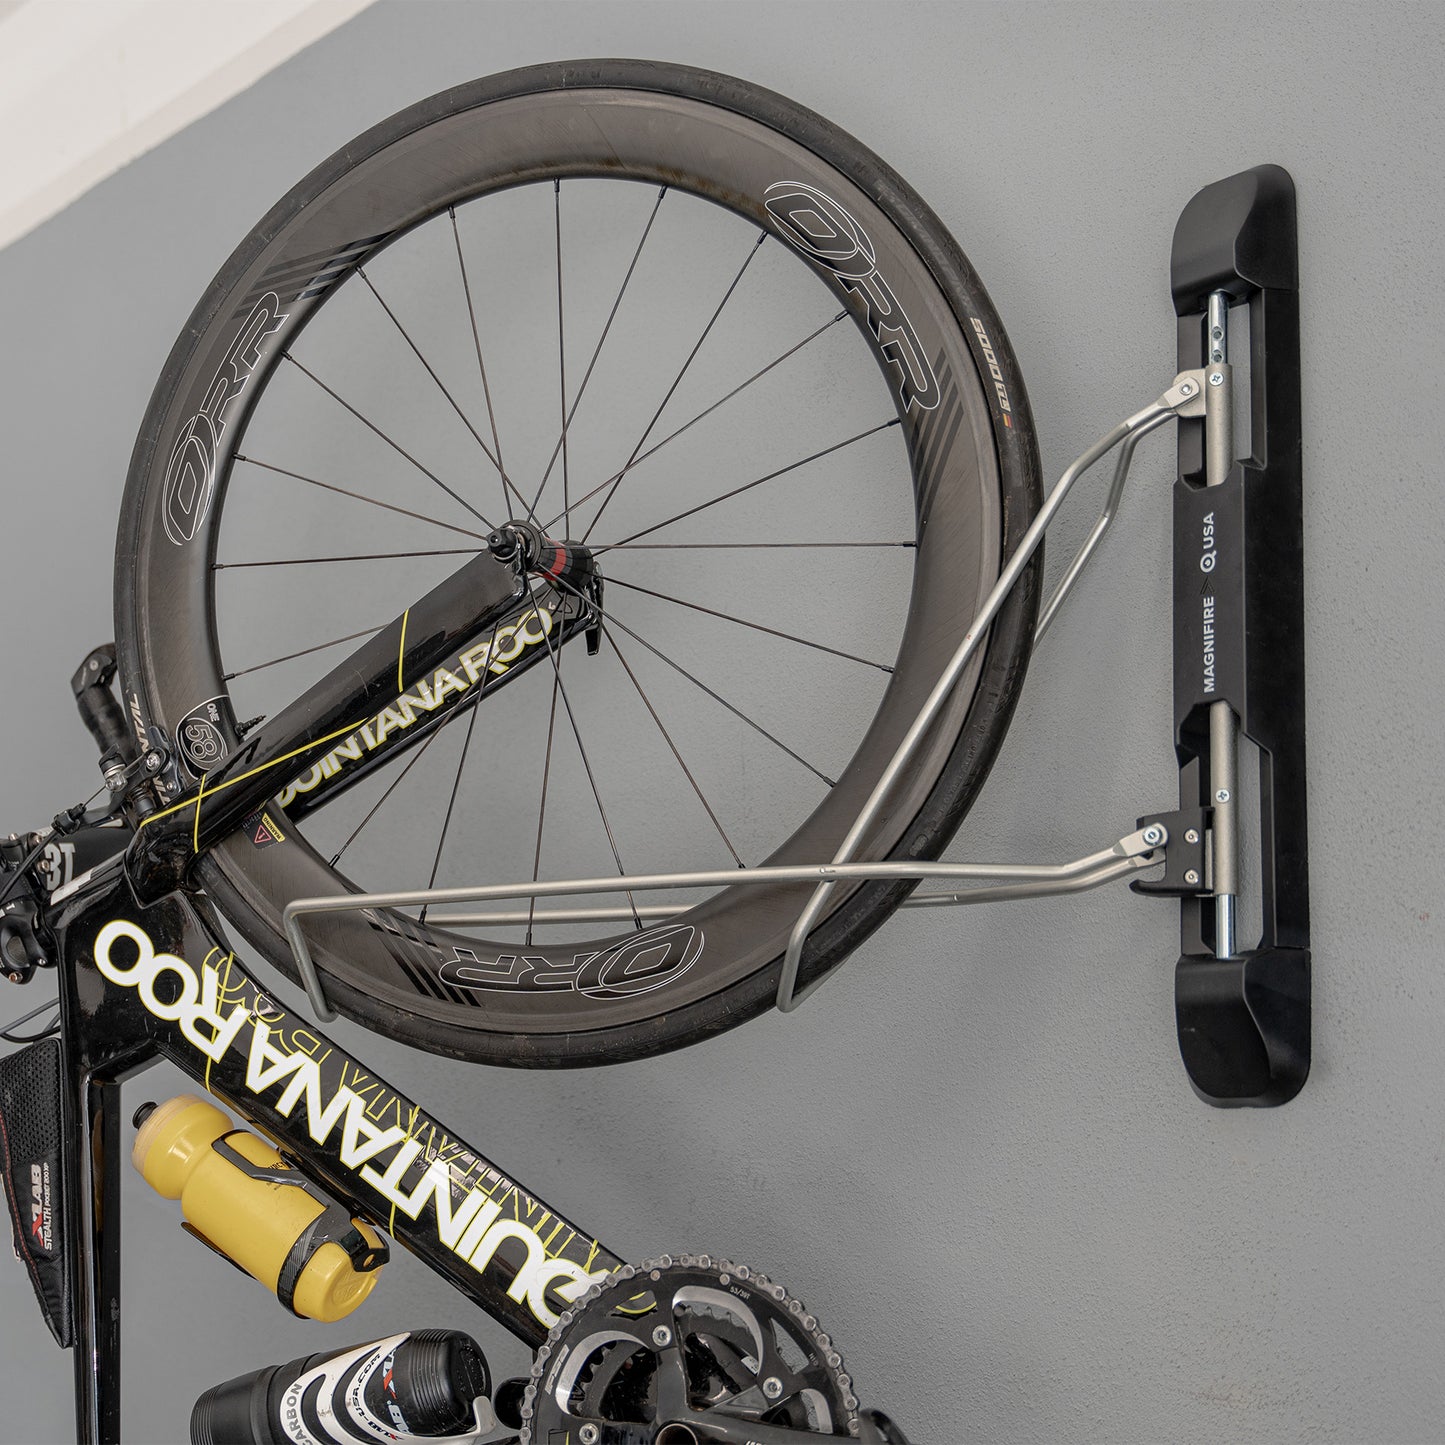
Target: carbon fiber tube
{"points": [[410, 1386]]}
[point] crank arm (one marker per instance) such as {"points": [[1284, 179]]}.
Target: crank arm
{"points": [[713, 1429]]}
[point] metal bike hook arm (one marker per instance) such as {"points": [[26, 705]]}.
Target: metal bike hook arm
{"points": [[1136, 851], [1184, 398], [1139, 850]]}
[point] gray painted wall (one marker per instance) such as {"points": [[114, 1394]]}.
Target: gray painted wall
{"points": [[975, 1154]]}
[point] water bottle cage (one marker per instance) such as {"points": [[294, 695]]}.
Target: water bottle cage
{"points": [[333, 1225]]}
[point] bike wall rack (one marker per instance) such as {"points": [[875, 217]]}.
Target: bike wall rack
{"points": [[1243, 1017]]}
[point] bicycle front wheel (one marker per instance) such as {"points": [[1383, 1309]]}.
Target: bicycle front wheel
{"points": [[695, 326]]}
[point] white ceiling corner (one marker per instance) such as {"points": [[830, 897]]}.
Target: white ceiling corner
{"points": [[88, 85]]}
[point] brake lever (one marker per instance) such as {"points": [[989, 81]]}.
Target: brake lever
{"points": [[99, 710]]}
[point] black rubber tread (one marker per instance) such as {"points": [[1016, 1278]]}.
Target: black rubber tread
{"points": [[868, 906]]}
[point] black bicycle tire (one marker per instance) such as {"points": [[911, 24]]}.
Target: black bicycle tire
{"points": [[971, 756]]}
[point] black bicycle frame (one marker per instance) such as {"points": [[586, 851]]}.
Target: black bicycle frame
{"points": [[146, 973], [141, 982]]}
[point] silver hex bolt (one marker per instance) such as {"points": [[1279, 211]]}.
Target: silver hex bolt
{"points": [[662, 1337], [772, 1387], [1191, 878], [1191, 835], [589, 1435]]}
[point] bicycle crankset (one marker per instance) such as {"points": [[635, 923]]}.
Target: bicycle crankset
{"points": [[691, 1351]]}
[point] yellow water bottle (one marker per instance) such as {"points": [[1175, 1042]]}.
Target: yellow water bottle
{"points": [[240, 1197]]}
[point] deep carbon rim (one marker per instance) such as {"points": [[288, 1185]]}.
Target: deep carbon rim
{"points": [[581, 1030]]}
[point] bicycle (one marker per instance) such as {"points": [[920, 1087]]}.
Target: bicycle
{"points": [[237, 781]]}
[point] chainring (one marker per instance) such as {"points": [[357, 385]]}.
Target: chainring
{"points": [[678, 1340]]}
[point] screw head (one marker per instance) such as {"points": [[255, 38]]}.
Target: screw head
{"points": [[1218, 333], [589, 1435], [1153, 835], [1222, 795], [153, 762], [1187, 389], [1191, 835], [1191, 877], [1216, 378], [662, 1337], [772, 1387]]}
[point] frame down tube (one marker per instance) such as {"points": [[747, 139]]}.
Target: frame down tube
{"points": [[160, 981]]}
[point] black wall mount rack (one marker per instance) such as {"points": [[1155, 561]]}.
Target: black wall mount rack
{"points": [[1243, 1016]]}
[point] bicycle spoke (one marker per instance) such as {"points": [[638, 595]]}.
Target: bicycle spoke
{"points": [[491, 456], [358, 496], [647, 702], [758, 481], [717, 697], [481, 365], [457, 780], [561, 360], [707, 411], [395, 446], [451, 802], [587, 766], [305, 652], [597, 350], [677, 381], [743, 622], [355, 557], [542, 806], [391, 788]]}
